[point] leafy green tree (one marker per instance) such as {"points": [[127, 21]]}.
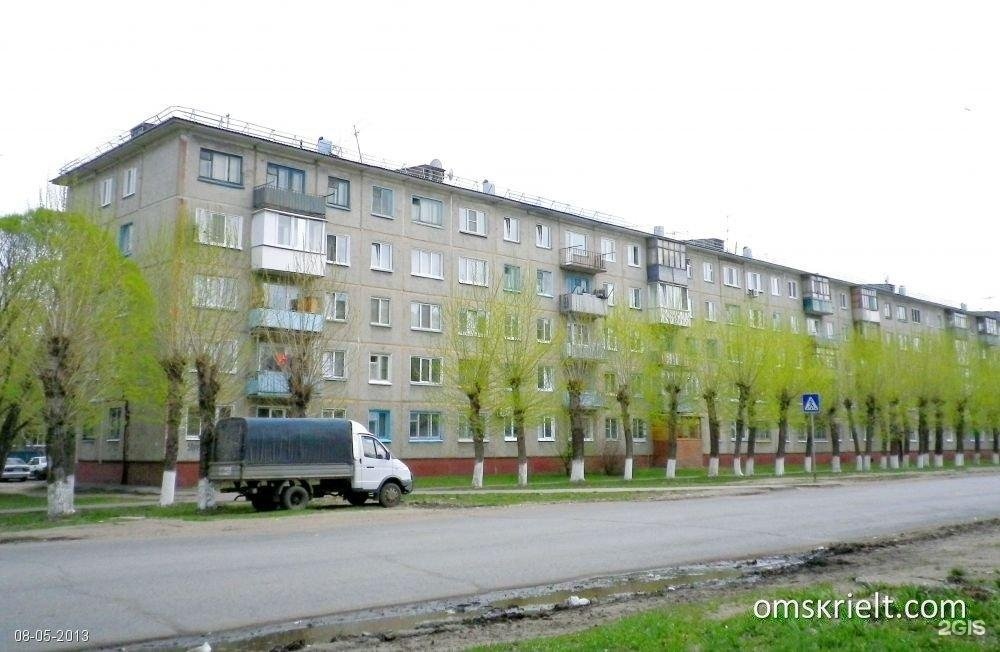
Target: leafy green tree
{"points": [[708, 364], [668, 368], [784, 382], [627, 339], [746, 346]]}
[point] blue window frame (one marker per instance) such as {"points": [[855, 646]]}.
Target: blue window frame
{"points": [[380, 424]]}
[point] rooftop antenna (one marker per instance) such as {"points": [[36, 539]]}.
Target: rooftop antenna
{"points": [[726, 232], [358, 141]]}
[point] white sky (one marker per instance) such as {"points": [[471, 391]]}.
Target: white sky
{"points": [[856, 139]]}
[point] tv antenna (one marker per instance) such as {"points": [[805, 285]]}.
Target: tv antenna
{"points": [[358, 141]]}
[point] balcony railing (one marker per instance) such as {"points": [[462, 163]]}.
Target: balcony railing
{"points": [[289, 320], [671, 316], [273, 384], [583, 304], [574, 259], [580, 351], [817, 306], [288, 200]]}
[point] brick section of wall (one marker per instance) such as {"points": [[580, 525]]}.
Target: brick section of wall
{"points": [[688, 453], [139, 473]]}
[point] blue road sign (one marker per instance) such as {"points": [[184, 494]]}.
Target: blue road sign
{"points": [[810, 403]]}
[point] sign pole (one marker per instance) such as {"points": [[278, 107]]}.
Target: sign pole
{"points": [[812, 427]]}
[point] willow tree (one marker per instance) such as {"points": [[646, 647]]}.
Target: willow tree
{"points": [[669, 370], [866, 357], [784, 382], [84, 297], [985, 400], [708, 366], [627, 338], [746, 345]]}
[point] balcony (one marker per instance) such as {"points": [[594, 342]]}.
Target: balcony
{"points": [[670, 316], [288, 320], [268, 384], [589, 400], [866, 316], [574, 259], [989, 339], [817, 306], [666, 274], [583, 304], [288, 200], [580, 351]]}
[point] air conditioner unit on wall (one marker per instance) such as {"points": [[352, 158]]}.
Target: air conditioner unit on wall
{"points": [[754, 293]]}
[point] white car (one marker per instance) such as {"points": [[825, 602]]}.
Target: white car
{"points": [[15, 469], [38, 467]]}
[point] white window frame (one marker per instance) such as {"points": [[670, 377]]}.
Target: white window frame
{"points": [[473, 271], [543, 327], [376, 316], [384, 250], [633, 255], [639, 425], [377, 363], [215, 292], [609, 293], [635, 298], [545, 283], [333, 188], [207, 221], [417, 314], [416, 206], [708, 272], [730, 276], [425, 419], [547, 429], [333, 300], [130, 181], [426, 368], [545, 378], [711, 311], [106, 190], [775, 286], [543, 236], [511, 229], [754, 282], [335, 364], [427, 264], [341, 249], [513, 279], [793, 289], [472, 221], [612, 429], [381, 190], [333, 413]]}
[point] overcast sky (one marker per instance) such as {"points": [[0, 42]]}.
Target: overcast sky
{"points": [[859, 140]]}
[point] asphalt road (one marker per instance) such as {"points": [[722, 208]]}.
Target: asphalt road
{"points": [[124, 590]]}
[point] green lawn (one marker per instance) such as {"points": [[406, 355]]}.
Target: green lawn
{"points": [[699, 627], [37, 499]]}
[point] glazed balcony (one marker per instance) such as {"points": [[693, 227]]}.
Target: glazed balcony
{"points": [[288, 320], [288, 200], [580, 351], [589, 400], [583, 304], [670, 316], [268, 384], [574, 259], [817, 306]]}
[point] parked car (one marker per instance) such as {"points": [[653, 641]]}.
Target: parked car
{"points": [[15, 469], [38, 467]]}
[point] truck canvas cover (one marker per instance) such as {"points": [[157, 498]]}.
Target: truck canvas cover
{"points": [[260, 442]]}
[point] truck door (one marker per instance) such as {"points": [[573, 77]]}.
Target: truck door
{"points": [[375, 464]]}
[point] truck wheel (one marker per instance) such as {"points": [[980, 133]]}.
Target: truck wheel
{"points": [[390, 494], [263, 503], [294, 497], [357, 498]]}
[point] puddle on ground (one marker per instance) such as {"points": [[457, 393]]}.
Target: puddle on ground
{"points": [[499, 605]]}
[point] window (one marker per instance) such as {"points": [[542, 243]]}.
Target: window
{"points": [[472, 271], [336, 306], [129, 181], [425, 371], [425, 316], [219, 229], [296, 233], [829, 330], [543, 236], [901, 313], [286, 178], [775, 320], [220, 168], [428, 211], [577, 284], [472, 221], [708, 272], [732, 313], [429, 264], [512, 328], [775, 286], [192, 420], [611, 428], [379, 424], [793, 323], [511, 229], [547, 429], [125, 239], [465, 428], [610, 382], [383, 203], [338, 249], [868, 300], [812, 325], [639, 432], [608, 250], [757, 318], [632, 255], [543, 329], [674, 297], [264, 412], [544, 283], [338, 192], [609, 293], [473, 322], [425, 426], [915, 315], [216, 292], [333, 413], [509, 432], [843, 301], [380, 311], [635, 298], [753, 282], [511, 278], [546, 378], [382, 256], [378, 368], [793, 289], [107, 190], [730, 276], [334, 365], [115, 424], [711, 311], [887, 311]]}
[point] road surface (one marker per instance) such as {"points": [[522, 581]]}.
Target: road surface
{"points": [[125, 589]]}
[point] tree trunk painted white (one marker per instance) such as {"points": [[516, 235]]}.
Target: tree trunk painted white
{"points": [[906, 461], [167, 487], [477, 476], [713, 467], [959, 459], [807, 462], [939, 461], [671, 468], [779, 466], [737, 466], [996, 458], [893, 461], [835, 463], [749, 470], [576, 471], [920, 461], [866, 463], [628, 469], [522, 474], [859, 462], [60, 497], [206, 494], [883, 462], [976, 458]]}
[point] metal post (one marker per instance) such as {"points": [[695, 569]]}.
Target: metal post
{"points": [[812, 428]]}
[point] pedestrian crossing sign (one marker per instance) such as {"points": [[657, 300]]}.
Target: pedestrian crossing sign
{"points": [[810, 403]]}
